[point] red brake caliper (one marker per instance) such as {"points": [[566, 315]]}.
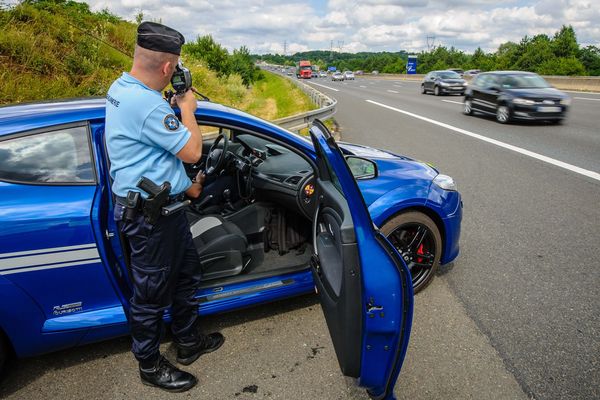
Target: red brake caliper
{"points": [[421, 252]]}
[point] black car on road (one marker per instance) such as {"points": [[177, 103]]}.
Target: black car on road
{"points": [[511, 95], [443, 82]]}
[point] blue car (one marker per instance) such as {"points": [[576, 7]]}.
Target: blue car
{"points": [[280, 215]]}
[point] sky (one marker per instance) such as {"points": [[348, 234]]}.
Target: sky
{"points": [[271, 26]]}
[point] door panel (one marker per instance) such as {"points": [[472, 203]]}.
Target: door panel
{"points": [[363, 284], [337, 277], [48, 242]]}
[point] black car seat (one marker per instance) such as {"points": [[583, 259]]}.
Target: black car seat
{"points": [[221, 246]]}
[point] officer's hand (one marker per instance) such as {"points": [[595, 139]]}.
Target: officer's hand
{"points": [[186, 101], [200, 177], [195, 190]]}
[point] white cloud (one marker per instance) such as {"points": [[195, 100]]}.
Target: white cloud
{"points": [[363, 25]]}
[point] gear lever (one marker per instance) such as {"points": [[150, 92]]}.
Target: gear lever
{"points": [[227, 197]]}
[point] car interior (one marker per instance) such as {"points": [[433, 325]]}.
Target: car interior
{"points": [[253, 218]]}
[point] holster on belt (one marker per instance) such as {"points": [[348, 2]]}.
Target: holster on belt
{"points": [[158, 197], [132, 205]]}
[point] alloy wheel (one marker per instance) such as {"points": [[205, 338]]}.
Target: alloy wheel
{"points": [[502, 114], [468, 110], [417, 239]]}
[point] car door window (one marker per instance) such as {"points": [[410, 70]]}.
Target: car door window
{"points": [[491, 82], [60, 156]]}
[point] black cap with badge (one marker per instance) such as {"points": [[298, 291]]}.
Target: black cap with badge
{"points": [[157, 37]]}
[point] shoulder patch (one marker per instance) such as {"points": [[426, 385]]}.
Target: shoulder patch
{"points": [[171, 122]]}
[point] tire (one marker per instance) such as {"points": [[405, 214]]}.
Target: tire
{"points": [[436, 90], [4, 353], [503, 114], [423, 91], [422, 260], [468, 107]]}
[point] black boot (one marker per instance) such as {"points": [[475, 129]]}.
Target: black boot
{"points": [[188, 353], [166, 376]]}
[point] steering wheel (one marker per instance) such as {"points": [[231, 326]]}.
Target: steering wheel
{"points": [[216, 156]]}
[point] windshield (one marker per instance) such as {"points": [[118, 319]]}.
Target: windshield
{"points": [[449, 75], [523, 81]]}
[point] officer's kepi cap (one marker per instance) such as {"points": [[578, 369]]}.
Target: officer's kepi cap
{"points": [[157, 37]]}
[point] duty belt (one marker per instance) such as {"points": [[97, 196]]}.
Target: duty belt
{"points": [[135, 205]]}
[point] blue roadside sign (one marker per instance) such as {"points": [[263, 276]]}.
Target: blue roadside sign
{"points": [[331, 69], [411, 65]]}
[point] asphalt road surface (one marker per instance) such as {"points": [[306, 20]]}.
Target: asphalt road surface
{"points": [[529, 271], [516, 316]]}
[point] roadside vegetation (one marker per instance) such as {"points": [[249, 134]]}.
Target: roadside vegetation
{"points": [[559, 54], [52, 49]]}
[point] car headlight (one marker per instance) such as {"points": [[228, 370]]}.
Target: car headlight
{"points": [[524, 102], [445, 182], [444, 83], [566, 101]]}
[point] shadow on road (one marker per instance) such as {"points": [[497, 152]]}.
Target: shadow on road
{"points": [[21, 373]]}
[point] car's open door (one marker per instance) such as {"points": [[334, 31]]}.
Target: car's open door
{"points": [[364, 286]]}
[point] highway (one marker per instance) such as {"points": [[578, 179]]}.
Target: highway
{"points": [[529, 272], [516, 316]]}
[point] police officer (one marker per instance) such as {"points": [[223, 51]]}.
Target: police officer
{"points": [[145, 138]]}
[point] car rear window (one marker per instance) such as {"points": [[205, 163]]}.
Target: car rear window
{"points": [[60, 156]]}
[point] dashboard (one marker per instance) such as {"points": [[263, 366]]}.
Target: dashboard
{"points": [[278, 174]]}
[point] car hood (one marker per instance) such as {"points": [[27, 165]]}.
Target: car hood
{"points": [[537, 93], [395, 172]]}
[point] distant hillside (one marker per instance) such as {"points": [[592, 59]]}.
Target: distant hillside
{"points": [[59, 49], [47, 50], [367, 61], [559, 54]]}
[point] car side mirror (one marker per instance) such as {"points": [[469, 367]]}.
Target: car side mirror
{"points": [[362, 168]]}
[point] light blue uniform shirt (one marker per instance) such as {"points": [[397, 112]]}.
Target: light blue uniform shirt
{"points": [[142, 137]]}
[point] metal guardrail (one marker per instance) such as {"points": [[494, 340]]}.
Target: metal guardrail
{"points": [[326, 104], [294, 123]]}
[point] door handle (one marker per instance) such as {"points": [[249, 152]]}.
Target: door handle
{"points": [[371, 307]]}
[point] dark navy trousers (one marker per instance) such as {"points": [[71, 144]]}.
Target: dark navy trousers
{"points": [[165, 273]]}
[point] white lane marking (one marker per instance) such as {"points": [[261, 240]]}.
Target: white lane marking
{"points": [[398, 86], [586, 98], [392, 91], [537, 156], [326, 87], [579, 91], [455, 102], [364, 87], [48, 250]]}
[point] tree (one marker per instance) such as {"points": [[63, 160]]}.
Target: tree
{"points": [[139, 17], [561, 66], [590, 58], [507, 55], [242, 64], [535, 52], [216, 56], [565, 42]]}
